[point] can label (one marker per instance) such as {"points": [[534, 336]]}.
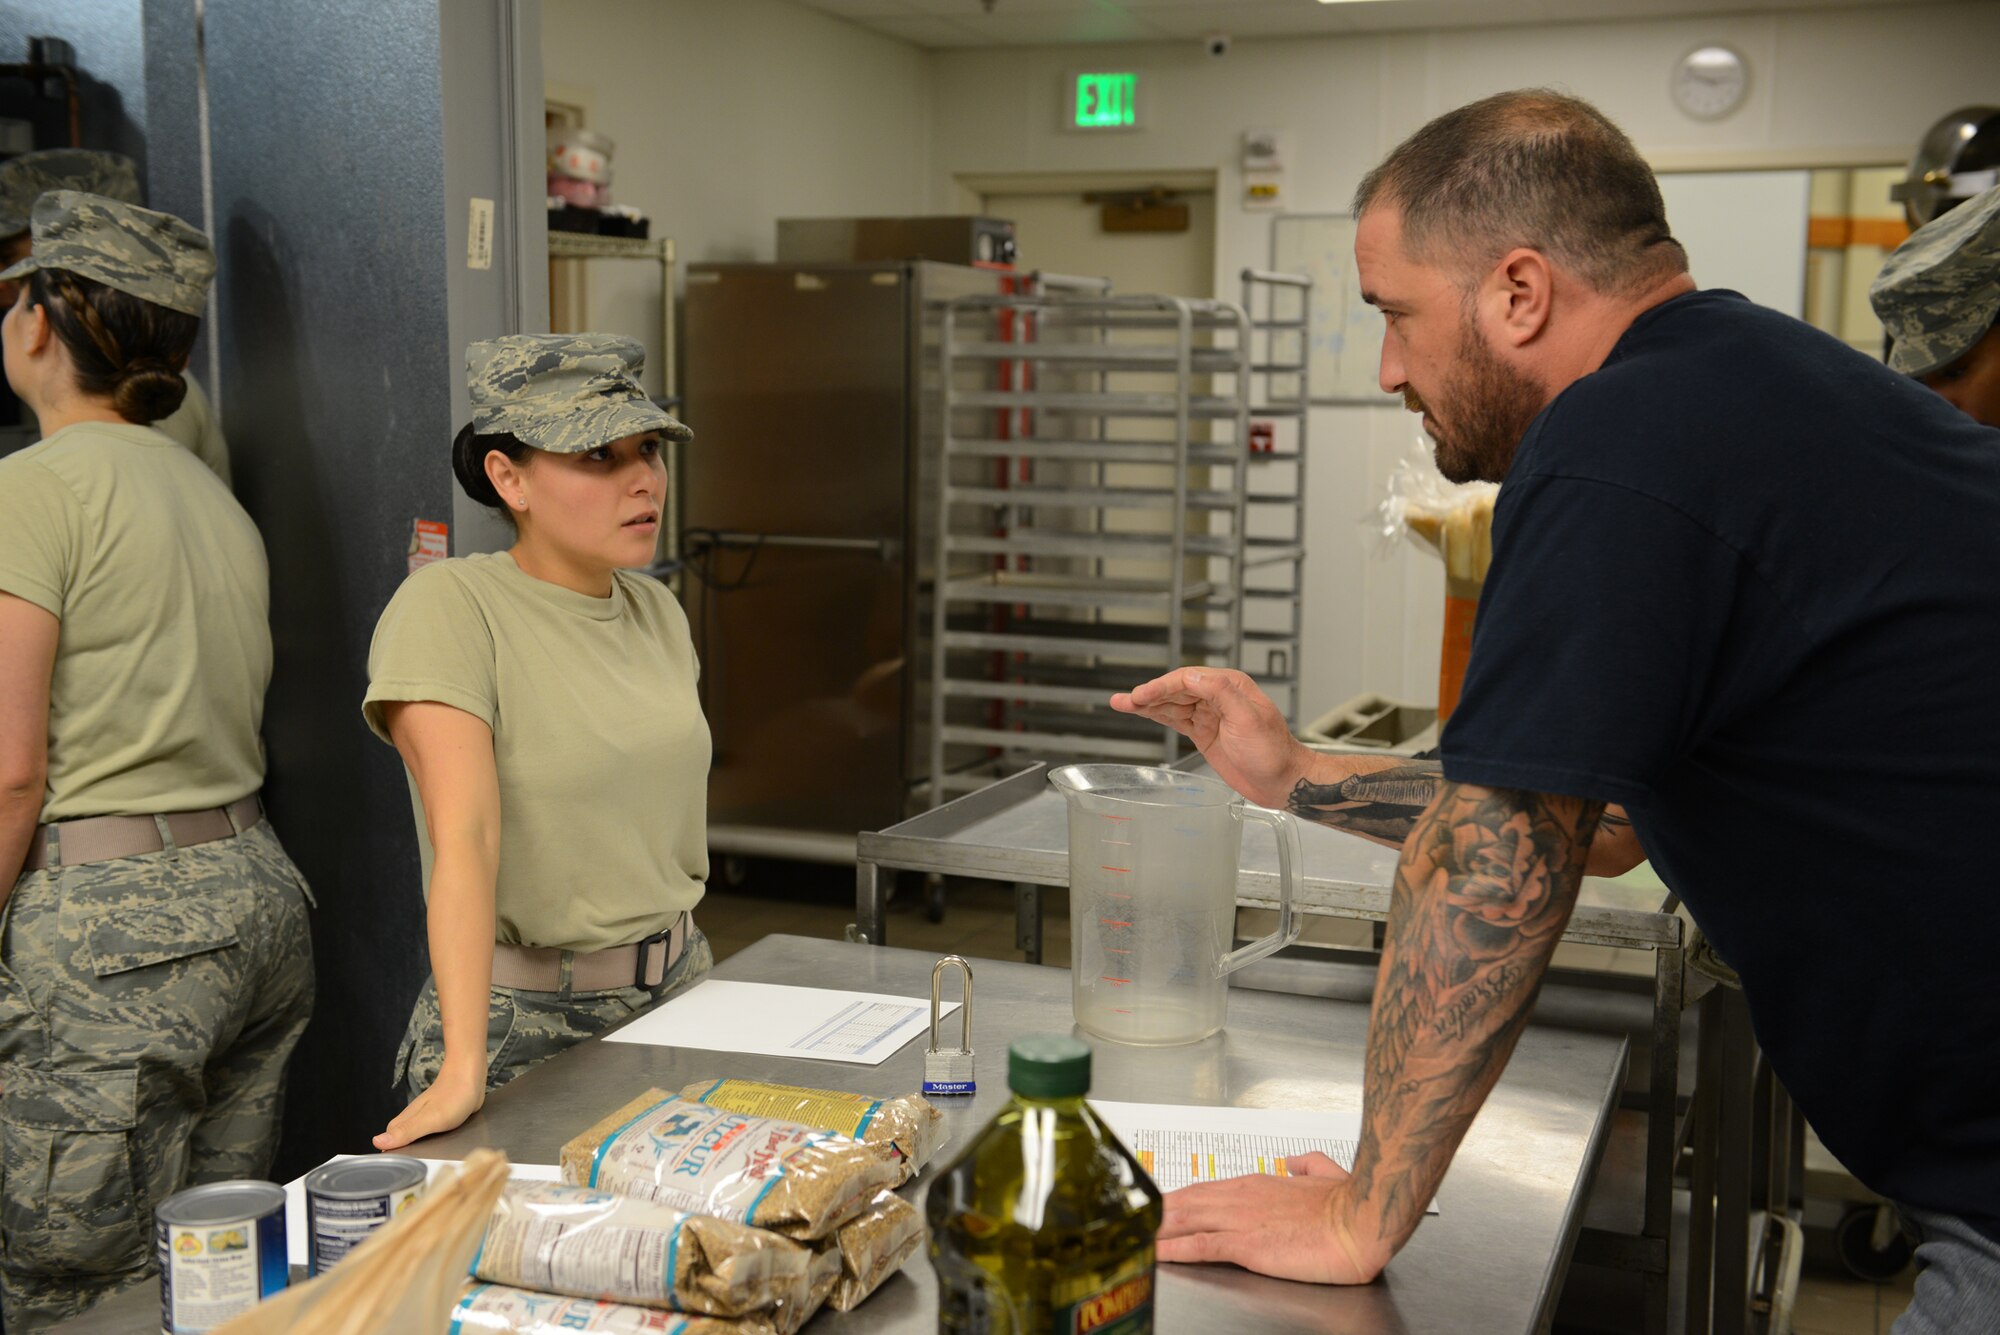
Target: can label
{"points": [[336, 1226], [212, 1273]]}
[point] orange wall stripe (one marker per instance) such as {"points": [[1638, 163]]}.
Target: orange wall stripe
{"points": [[1839, 233]]}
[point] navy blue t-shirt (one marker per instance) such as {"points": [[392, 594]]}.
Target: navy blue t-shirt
{"points": [[1746, 581]]}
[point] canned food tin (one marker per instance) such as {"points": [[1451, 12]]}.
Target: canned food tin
{"points": [[222, 1251], [351, 1198]]}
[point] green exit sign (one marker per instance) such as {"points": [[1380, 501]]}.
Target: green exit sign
{"points": [[1104, 101]]}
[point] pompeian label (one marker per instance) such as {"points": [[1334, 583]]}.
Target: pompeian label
{"points": [[1122, 1307]]}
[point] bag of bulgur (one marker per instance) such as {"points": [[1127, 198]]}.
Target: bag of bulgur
{"points": [[593, 1244], [910, 1122], [495, 1308], [873, 1246], [795, 1180]]}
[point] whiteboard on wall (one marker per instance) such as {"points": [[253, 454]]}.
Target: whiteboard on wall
{"points": [[1344, 334], [1745, 231]]}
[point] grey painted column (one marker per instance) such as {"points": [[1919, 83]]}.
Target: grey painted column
{"points": [[347, 137]]}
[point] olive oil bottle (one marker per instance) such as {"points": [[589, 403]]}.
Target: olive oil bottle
{"points": [[1045, 1223]]}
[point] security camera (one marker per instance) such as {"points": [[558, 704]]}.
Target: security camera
{"points": [[1216, 44]]}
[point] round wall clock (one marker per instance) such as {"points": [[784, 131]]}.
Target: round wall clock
{"points": [[1710, 81]]}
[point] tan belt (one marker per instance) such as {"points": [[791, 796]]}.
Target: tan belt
{"points": [[641, 964], [102, 838]]}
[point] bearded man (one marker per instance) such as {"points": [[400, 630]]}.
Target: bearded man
{"points": [[1742, 588]]}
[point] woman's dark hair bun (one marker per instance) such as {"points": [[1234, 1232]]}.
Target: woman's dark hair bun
{"points": [[147, 390], [121, 346], [468, 462]]}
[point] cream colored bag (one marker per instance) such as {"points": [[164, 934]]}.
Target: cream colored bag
{"points": [[407, 1277], [796, 1180]]}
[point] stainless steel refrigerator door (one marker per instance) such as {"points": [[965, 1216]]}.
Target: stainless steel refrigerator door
{"points": [[802, 669], [797, 388], [798, 392]]}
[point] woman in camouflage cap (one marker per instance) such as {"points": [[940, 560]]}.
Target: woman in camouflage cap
{"points": [[25, 179], [544, 701], [1938, 297], [158, 968]]}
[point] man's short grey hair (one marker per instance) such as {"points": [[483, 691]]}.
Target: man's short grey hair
{"points": [[1533, 169]]}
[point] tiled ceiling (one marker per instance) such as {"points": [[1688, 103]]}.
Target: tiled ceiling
{"points": [[977, 23]]}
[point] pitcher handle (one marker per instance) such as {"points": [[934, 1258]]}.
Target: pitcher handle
{"points": [[1289, 862]]}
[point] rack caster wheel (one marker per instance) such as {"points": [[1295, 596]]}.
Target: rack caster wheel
{"points": [[1856, 1238], [933, 898]]}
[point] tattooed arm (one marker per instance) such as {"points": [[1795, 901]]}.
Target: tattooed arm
{"points": [[1483, 891], [1244, 737], [1485, 885], [1384, 801]]}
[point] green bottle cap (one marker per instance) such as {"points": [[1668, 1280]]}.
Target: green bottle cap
{"points": [[1049, 1066]]}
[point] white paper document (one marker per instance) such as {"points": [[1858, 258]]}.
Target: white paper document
{"points": [[1179, 1146], [298, 1244], [779, 1021]]}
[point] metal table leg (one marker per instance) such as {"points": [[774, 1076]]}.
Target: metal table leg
{"points": [[1028, 920], [1701, 1185], [871, 903], [1662, 1131], [1734, 1114]]}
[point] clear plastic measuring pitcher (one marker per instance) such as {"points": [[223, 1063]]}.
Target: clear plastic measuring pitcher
{"points": [[1153, 856]]}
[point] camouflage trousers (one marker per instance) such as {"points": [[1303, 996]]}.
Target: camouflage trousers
{"points": [[147, 1006], [525, 1029]]}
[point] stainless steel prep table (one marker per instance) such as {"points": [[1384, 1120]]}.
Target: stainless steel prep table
{"points": [[1017, 830], [1491, 1261]]}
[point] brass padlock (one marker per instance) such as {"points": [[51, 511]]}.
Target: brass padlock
{"points": [[949, 1070]]}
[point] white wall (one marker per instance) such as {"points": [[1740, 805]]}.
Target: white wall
{"points": [[728, 116], [1850, 86], [1744, 231]]}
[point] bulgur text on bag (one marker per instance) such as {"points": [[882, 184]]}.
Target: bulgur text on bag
{"points": [[796, 1180]]}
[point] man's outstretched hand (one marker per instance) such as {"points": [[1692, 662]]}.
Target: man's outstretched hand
{"points": [[1289, 1227], [1232, 723]]}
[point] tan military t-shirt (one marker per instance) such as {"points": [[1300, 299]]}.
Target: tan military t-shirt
{"points": [[598, 737], [159, 580], [193, 424]]}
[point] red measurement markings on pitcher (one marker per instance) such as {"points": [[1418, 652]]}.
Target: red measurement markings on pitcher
{"points": [[1115, 925]]}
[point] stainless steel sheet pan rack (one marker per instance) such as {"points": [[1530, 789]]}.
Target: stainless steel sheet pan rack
{"points": [[1092, 509], [1276, 307]]}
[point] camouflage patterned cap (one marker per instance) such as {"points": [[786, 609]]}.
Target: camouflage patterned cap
{"points": [[1939, 291], [25, 179], [153, 256], [565, 393]]}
